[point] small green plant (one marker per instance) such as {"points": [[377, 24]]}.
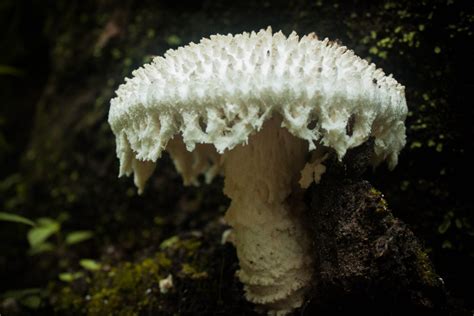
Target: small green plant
{"points": [[9, 217], [40, 236], [87, 264], [42, 231], [41, 239], [30, 298]]}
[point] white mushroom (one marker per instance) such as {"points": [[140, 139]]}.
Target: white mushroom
{"points": [[166, 284], [251, 107]]}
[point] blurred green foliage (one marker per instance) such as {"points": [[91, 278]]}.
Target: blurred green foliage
{"points": [[8, 217], [8, 70], [30, 298], [43, 229]]}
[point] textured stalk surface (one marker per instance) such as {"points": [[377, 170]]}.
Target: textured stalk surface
{"points": [[272, 243]]}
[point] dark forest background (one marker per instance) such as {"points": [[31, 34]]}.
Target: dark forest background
{"points": [[97, 248]]}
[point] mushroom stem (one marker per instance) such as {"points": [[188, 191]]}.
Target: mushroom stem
{"points": [[272, 242]]}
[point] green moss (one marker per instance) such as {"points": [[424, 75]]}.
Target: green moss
{"points": [[190, 245], [133, 287], [163, 261], [188, 270], [381, 205], [68, 300], [425, 269], [106, 301]]}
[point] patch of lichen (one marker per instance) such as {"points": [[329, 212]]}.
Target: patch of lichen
{"points": [[130, 288]]}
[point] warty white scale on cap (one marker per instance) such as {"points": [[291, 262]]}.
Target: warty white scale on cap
{"points": [[223, 89]]}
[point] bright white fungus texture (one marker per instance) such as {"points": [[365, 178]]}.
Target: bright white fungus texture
{"points": [[204, 103], [266, 214], [222, 90]]}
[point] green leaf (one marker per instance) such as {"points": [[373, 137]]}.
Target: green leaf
{"points": [[9, 217], [43, 247], [10, 181], [89, 264], [69, 277], [447, 245], [3, 144], [46, 221], [78, 236], [32, 301], [173, 40], [12, 71], [63, 216], [443, 228], [40, 233], [30, 297], [458, 223], [17, 294], [169, 242]]}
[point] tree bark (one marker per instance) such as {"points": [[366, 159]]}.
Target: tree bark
{"points": [[366, 260]]}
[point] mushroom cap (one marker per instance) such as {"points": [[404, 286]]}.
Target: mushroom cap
{"points": [[223, 89]]}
